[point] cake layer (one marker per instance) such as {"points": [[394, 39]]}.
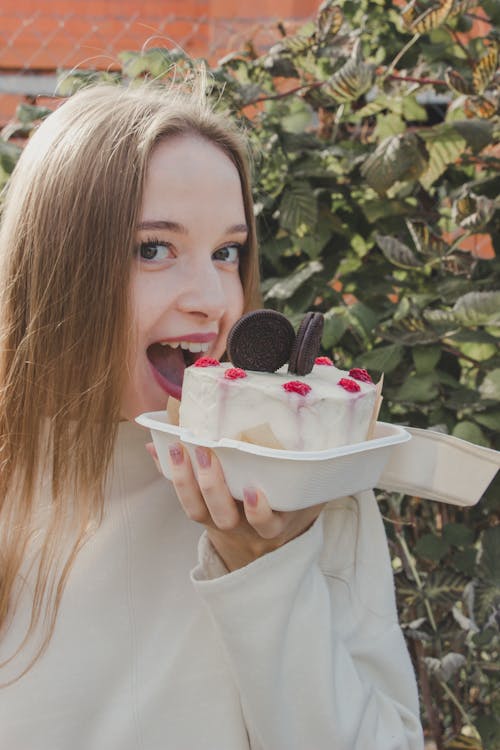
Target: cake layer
{"points": [[312, 412]]}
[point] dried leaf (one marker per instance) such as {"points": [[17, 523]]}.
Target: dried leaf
{"points": [[485, 69], [397, 252], [457, 83], [431, 18], [397, 158], [329, 20], [480, 106]]}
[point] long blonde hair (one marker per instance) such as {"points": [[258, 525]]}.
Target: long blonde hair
{"points": [[66, 244]]}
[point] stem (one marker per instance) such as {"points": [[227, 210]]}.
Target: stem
{"points": [[451, 695], [336, 122], [422, 81], [284, 94], [418, 580], [400, 54], [427, 700], [448, 347]]}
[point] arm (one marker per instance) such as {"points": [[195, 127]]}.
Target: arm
{"points": [[312, 637]]}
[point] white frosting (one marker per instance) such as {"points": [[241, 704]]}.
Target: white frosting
{"points": [[213, 407]]}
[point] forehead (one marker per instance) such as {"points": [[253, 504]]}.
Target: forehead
{"points": [[189, 176]]}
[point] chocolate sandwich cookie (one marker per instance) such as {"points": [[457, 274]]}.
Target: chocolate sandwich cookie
{"points": [[261, 340], [307, 344]]}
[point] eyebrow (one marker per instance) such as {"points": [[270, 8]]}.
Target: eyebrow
{"points": [[174, 226]]}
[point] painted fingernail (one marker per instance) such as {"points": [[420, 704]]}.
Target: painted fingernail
{"points": [[250, 496], [203, 457], [176, 453]]}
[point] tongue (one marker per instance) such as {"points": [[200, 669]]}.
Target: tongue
{"points": [[169, 362]]}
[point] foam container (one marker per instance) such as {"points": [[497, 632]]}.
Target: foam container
{"points": [[440, 467], [289, 479]]}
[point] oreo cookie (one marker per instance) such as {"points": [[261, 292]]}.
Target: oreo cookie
{"points": [[307, 344], [261, 340]]}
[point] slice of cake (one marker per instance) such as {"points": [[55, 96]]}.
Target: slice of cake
{"points": [[324, 409], [310, 406]]}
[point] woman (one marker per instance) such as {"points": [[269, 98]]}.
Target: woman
{"points": [[128, 248]]}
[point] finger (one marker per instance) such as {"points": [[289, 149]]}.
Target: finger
{"points": [[154, 455], [186, 486], [221, 505], [267, 523]]}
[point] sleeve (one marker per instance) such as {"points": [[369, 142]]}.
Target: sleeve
{"points": [[312, 638]]}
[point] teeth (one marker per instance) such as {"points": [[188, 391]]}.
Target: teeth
{"points": [[190, 346]]}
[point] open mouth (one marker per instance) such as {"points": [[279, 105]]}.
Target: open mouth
{"points": [[169, 363]]}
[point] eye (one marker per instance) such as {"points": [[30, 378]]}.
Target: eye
{"points": [[228, 253], [154, 251]]}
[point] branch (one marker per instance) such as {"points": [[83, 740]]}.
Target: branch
{"points": [[284, 94], [422, 81]]}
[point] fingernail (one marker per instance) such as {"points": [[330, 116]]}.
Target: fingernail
{"points": [[176, 453], [203, 457], [250, 496]]}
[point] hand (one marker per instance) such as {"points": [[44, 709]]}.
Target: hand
{"points": [[240, 531]]}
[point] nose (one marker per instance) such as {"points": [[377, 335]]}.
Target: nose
{"points": [[202, 292]]}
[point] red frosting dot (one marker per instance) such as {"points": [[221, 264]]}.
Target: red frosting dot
{"points": [[323, 361], [349, 385], [297, 386], [234, 373], [358, 374], [207, 362]]}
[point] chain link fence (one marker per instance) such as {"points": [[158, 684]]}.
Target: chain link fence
{"points": [[34, 47]]}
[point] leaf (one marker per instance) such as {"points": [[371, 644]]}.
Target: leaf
{"points": [[418, 389], [397, 252], [445, 146], [457, 83], [490, 387], [478, 309], [471, 432], [336, 324], [329, 20], [446, 667], [383, 358], [156, 61], [477, 133], [432, 547], [445, 587], [9, 154], [489, 419], [426, 240], [444, 321], [480, 106], [458, 534], [285, 288], [29, 113], [352, 80], [298, 207], [397, 158], [426, 358], [431, 18], [464, 742], [485, 69]]}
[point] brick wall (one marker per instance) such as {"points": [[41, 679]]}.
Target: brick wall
{"points": [[37, 38]]}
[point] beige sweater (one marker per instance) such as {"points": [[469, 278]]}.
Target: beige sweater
{"points": [[155, 648]]}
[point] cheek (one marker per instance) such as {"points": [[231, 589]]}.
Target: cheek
{"points": [[235, 300]]}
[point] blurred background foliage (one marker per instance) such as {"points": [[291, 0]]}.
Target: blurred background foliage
{"points": [[375, 133]]}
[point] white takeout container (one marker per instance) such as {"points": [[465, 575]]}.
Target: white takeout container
{"points": [[289, 479], [440, 467]]}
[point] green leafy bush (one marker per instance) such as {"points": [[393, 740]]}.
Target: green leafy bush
{"points": [[375, 132]]}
